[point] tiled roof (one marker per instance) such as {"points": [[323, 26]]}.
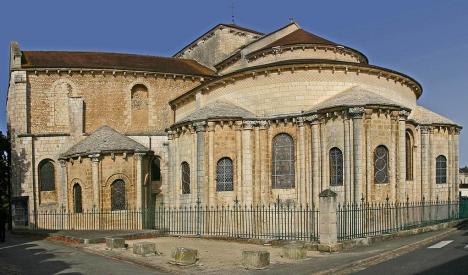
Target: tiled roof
{"points": [[104, 140], [354, 96], [118, 61], [422, 115], [218, 109], [300, 36]]}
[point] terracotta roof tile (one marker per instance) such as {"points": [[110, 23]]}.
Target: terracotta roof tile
{"points": [[118, 61], [300, 36]]}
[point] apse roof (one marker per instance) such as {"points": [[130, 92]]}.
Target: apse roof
{"points": [[354, 96], [104, 140], [423, 115], [218, 109]]}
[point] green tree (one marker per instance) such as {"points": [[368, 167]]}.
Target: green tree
{"points": [[5, 174]]}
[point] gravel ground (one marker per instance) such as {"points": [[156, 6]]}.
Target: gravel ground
{"points": [[216, 256]]}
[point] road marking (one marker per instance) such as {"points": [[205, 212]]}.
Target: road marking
{"points": [[440, 244], [466, 246]]}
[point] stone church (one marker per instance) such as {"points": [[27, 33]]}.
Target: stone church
{"points": [[236, 115]]}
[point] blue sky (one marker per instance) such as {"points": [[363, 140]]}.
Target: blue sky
{"points": [[426, 39]]}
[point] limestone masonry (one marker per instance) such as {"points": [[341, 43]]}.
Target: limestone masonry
{"points": [[235, 115]]}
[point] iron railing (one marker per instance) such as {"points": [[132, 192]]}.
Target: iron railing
{"points": [[277, 221], [358, 220]]}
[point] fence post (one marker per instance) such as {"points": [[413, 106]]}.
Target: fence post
{"points": [[328, 233]]}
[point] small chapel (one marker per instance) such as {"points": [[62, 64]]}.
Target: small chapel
{"points": [[236, 115]]}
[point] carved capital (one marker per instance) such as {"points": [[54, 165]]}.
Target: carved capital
{"points": [[139, 155], [249, 124], [425, 129], [63, 163], [262, 124], [403, 114], [300, 121], [95, 157], [170, 134], [199, 126], [356, 112], [210, 126]]}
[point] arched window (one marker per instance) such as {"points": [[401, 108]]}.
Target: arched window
{"points": [[224, 175], [77, 198], [441, 169], [185, 178], [381, 169], [118, 201], [409, 155], [336, 167], [46, 175], [156, 169], [283, 168]]}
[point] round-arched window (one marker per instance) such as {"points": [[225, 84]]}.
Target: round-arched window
{"points": [[336, 167], [381, 169], [283, 166], [46, 175]]}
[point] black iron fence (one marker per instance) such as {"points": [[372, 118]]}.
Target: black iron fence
{"points": [[358, 220], [277, 221]]}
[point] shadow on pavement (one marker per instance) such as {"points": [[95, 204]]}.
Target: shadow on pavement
{"points": [[22, 255], [457, 266]]}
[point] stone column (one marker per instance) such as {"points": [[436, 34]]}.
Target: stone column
{"points": [[139, 180], [247, 182], [401, 157], [347, 162], [302, 198], [450, 170], [264, 171], [238, 171], [456, 164], [64, 184], [211, 190], [328, 233], [425, 183], [431, 161], [357, 113], [200, 151], [316, 183], [169, 182], [95, 161], [325, 183], [257, 167]]}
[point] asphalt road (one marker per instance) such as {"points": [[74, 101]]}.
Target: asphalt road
{"points": [[447, 256], [27, 255]]}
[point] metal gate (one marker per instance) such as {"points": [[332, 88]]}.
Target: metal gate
{"points": [[463, 213]]}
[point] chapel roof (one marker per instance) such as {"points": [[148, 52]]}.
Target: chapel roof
{"points": [[218, 109], [118, 61], [354, 96], [104, 140], [425, 116]]}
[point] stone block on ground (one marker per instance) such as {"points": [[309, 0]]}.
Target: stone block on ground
{"points": [[295, 251], [115, 243], [144, 248], [255, 259], [184, 256]]}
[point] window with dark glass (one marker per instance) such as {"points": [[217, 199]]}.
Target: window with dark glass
{"points": [[46, 175], [409, 156], [185, 178], [77, 198], [283, 167], [441, 169], [336, 167], [381, 169], [118, 198], [224, 175], [156, 169]]}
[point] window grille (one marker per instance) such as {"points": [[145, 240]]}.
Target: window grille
{"points": [[118, 201], [224, 175], [336, 167], [283, 167], [381, 169], [77, 198], [46, 176], [185, 178], [441, 169]]}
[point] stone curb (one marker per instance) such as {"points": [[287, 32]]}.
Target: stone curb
{"points": [[373, 260]]}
